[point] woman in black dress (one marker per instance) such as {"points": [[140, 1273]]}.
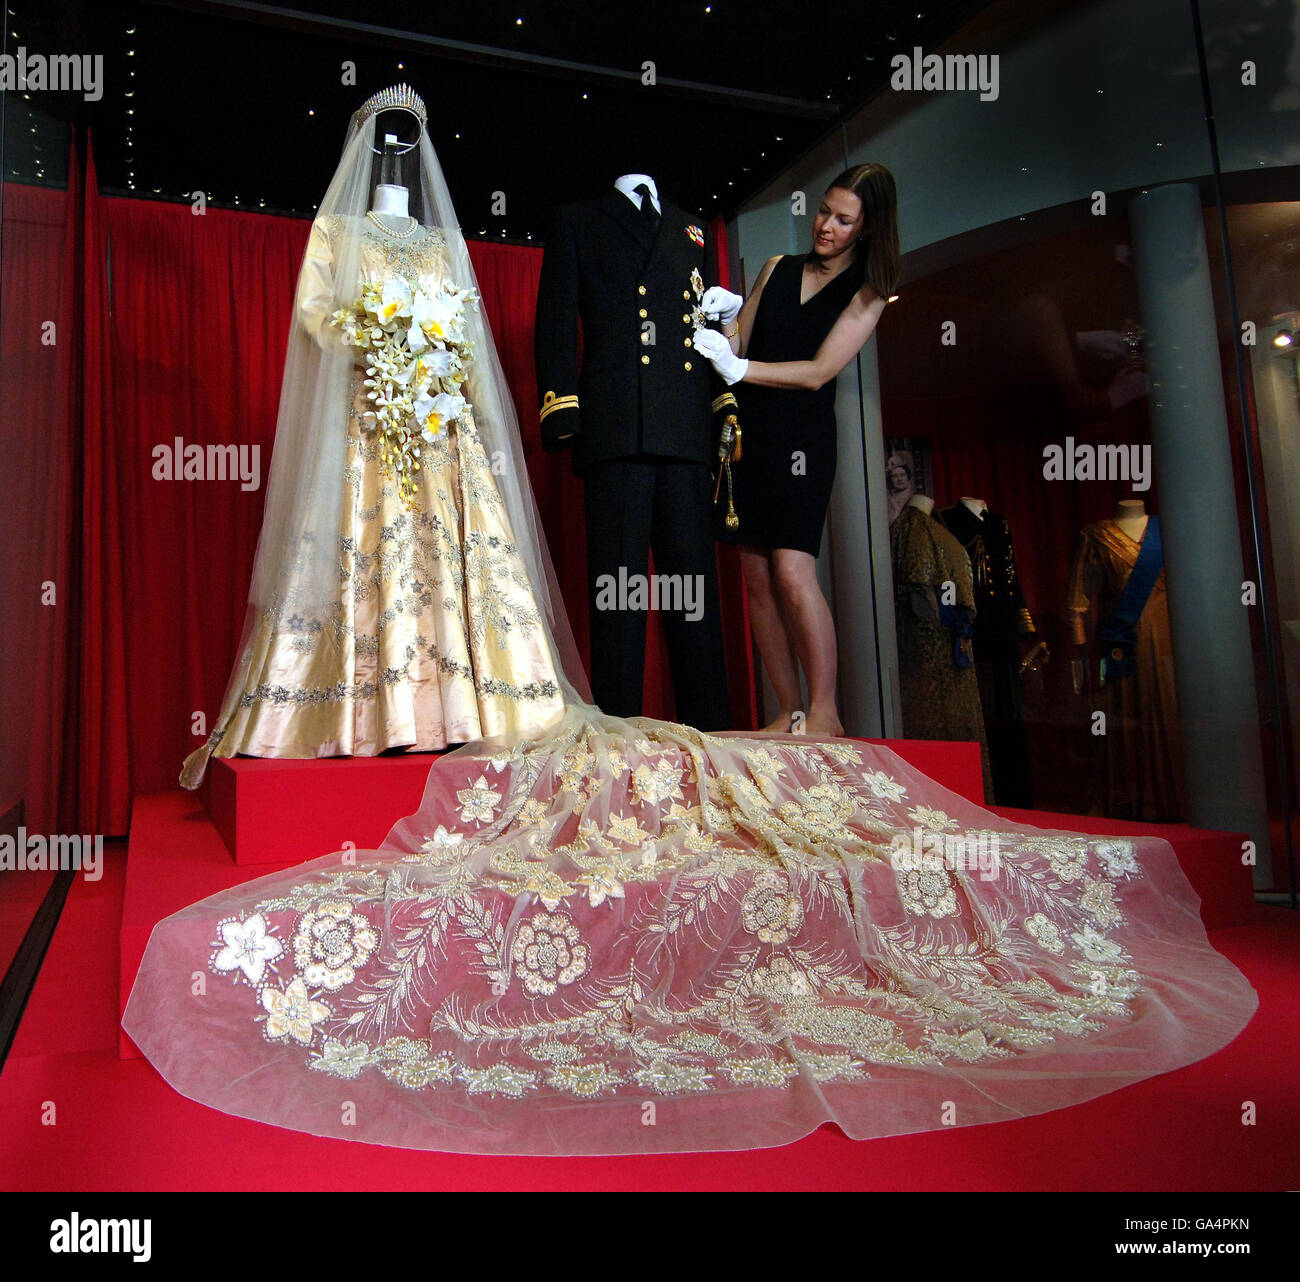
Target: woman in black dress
{"points": [[805, 319]]}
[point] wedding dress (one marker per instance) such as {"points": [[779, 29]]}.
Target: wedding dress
{"points": [[421, 628], [622, 936]]}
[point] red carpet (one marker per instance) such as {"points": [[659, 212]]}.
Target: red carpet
{"points": [[117, 1125]]}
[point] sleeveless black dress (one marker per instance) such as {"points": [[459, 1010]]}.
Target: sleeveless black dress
{"points": [[780, 500]]}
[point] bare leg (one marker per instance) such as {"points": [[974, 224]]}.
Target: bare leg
{"points": [[774, 644], [794, 575]]}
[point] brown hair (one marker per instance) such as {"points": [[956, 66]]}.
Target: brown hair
{"points": [[877, 260]]}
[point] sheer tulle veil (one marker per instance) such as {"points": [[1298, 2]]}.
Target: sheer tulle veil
{"points": [[620, 936]]}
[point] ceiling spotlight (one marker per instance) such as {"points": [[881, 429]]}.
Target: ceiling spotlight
{"points": [[1284, 338]]}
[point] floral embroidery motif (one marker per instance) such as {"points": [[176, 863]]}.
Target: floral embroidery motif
{"points": [[929, 891], [291, 1012], [248, 948], [547, 953], [331, 943], [771, 912]]}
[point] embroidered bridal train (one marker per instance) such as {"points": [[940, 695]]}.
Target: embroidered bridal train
{"points": [[637, 937]]}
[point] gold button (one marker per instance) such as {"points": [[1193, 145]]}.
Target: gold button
{"points": [[688, 365], [645, 338], [644, 313], [640, 289], [645, 360], [686, 294], [687, 317], [686, 342]]}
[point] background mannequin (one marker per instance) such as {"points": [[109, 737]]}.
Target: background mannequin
{"points": [[934, 612], [1003, 629], [1138, 763]]}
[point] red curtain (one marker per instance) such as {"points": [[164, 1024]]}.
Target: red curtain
{"points": [[185, 322], [103, 776], [38, 587]]}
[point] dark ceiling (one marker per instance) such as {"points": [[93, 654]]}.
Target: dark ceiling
{"points": [[245, 101]]}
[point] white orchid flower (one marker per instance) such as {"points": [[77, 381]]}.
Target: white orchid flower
{"points": [[436, 362], [435, 318], [431, 412], [395, 302]]}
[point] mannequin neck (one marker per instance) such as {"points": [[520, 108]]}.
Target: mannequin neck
{"points": [[923, 501], [628, 183], [1131, 517], [391, 201]]}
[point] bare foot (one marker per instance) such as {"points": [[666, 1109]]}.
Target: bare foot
{"points": [[823, 721], [780, 723]]}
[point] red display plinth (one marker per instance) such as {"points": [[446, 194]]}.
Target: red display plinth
{"points": [[285, 812]]}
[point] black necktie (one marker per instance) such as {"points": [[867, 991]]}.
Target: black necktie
{"points": [[648, 210]]}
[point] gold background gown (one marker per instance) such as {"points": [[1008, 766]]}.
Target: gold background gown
{"points": [[1139, 768]]}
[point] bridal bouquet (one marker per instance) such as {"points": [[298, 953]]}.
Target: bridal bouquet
{"points": [[415, 351]]}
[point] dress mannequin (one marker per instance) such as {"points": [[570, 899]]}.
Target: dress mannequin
{"points": [[934, 608], [1138, 771], [1131, 517]]}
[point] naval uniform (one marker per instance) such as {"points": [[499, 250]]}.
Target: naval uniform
{"points": [[640, 417]]}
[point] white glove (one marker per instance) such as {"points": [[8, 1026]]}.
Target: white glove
{"points": [[721, 304], [709, 343]]}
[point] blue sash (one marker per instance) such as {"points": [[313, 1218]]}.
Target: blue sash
{"points": [[1118, 634], [957, 619]]}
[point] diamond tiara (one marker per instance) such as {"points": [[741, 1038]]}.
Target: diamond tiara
{"points": [[397, 98]]}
